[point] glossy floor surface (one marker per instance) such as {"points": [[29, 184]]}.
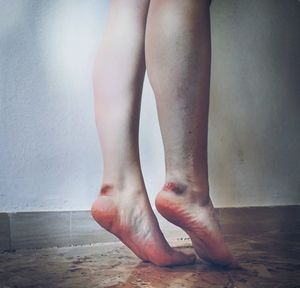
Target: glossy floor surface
{"points": [[267, 246]]}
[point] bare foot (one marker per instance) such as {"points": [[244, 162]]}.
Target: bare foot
{"points": [[128, 215], [198, 220]]}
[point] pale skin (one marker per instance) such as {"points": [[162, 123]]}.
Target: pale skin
{"points": [[172, 39]]}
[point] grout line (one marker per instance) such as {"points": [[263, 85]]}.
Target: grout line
{"points": [[70, 226], [9, 231]]}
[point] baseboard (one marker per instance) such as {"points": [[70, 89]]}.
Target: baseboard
{"points": [[25, 230]]}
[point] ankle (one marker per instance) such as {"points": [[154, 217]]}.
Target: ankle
{"points": [[121, 182], [189, 190], [194, 179], [127, 186], [128, 189]]}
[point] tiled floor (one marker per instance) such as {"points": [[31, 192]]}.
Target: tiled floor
{"points": [[269, 252]]}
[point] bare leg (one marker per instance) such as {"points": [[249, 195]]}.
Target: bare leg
{"points": [[122, 206], [178, 56]]}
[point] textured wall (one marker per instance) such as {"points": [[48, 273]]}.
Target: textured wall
{"points": [[50, 158], [255, 119]]}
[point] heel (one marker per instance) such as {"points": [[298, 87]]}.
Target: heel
{"points": [[167, 208], [104, 212]]}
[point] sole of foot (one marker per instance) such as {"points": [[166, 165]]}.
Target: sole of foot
{"points": [[132, 220], [198, 221]]}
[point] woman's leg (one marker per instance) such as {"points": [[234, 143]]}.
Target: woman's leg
{"points": [[122, 206], [178, 53]]}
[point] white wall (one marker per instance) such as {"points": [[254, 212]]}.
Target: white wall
{"points": [[50, 157]]}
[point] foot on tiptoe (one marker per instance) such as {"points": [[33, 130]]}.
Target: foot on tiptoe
{"points": [[197, 217], [128, 215]]}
